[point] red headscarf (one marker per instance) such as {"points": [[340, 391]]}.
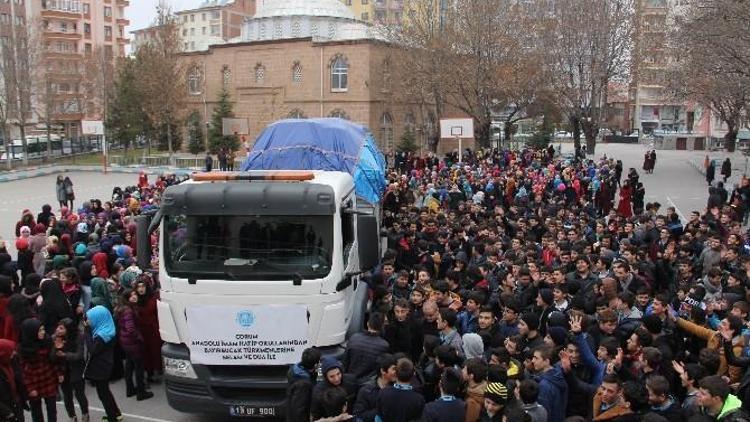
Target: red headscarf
{"points": [[39, 229], [100, 260], [7, 347]]}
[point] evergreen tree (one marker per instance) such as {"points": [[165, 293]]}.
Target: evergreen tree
{"points": [[216, 138], [163, 135], [408, 142], [195, 133], [126, 119]]}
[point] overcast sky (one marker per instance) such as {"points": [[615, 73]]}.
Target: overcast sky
{"points": [[142, 12]]}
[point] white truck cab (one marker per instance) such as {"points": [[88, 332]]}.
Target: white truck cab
{"points": [[255, 267]]}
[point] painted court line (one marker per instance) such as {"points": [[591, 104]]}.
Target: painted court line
{"points": [[126, 415]]}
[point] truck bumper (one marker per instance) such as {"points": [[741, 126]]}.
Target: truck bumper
{"points": [[219, 389]]}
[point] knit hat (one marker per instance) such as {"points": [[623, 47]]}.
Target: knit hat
{"points": [[532, 320], [497, 392], [328, 363], [558, 335], [81, 249], [547, 296], [22, 244]]}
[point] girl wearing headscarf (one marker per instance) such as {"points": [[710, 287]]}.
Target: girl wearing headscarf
{"points": [[100, 293], [17, 311], [100, 340], [86, 271], [25, 259], [55, 305], [11, 381], [30, 289], [27, 219], [71, 286], [40, 373], [38, 245], [69, 348], [148, 324], [132, 343], [101, 261]]}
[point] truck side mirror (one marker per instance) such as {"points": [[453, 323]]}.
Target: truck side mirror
{"points": [[368, 238]]}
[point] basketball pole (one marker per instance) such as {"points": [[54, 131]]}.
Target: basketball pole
{"points": [[460, 148]]}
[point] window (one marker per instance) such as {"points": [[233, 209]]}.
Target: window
{"points": [[63, 27], [184, 18], [107, 32], [86, 28], [203, 17], [278, 31], [192, 18], [203, 30], [339, 74], [192, 45], [226, 75], [386, 75], [184, 32], [86, 9], [107, 12], [386, 132], [214, 29], [339, 114], [409, 123], [296, 114], [195, 81], [296, 29], [348, 2], [87, 48], [364, 1], [297, 73], [365, 16], [215, 14], [192, 31], [260, 73]]}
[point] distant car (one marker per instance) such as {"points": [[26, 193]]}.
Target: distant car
{"points": [[563, 135]]}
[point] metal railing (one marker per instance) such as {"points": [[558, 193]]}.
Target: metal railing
{"points": [[163, 161]]}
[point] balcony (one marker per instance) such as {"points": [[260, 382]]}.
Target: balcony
{"points": [[122, 21], [63, 6], [380, 5], [124, 3], [61, 14], [121, 40], [73, 36]]}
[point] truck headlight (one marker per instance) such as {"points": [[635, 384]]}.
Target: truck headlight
{"points": [[179, 368]]}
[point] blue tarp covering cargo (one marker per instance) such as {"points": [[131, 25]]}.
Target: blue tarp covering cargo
{"points": [[322, 144]]}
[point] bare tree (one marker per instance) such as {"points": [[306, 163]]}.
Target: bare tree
{"points": [[710, 47], [588, 45], [163, 77], [8, 101]]}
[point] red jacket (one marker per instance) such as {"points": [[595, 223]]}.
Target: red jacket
{"points": [[40, 373]]}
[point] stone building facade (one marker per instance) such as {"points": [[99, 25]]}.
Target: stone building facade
{"points": [[304, 78]]}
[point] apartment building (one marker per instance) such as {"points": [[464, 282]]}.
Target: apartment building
{"points": [[386, 12], [212, 22]]}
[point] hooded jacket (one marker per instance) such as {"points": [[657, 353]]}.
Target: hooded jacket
{"points": [[732, 410], [475, 401], [298, 393], [553, 393]]}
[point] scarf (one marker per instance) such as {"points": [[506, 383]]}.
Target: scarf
{"points": [[102, 325]]}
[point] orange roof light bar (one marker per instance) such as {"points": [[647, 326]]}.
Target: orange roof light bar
{"points": [[224, 176]]}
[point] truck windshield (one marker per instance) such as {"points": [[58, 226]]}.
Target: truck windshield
{"points": [[248, 247]]}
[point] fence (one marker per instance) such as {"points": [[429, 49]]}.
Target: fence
{"points": [[163, 161]]}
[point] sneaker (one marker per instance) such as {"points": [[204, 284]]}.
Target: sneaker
{"points": [[145, 395]]}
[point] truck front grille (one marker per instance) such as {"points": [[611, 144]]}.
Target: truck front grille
{"points": [[187, 388]]}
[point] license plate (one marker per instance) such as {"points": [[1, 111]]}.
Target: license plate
{"points": [[252, 411]]}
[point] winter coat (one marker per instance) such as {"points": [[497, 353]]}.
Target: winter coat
{"points": [[714, 342], [316, 405], [130, 337], [619, 412], [475, 401], [298, 393], [537, 412], [726, 168], [732, 411], [100, 359], [362, 352], [447, 410], [399, 405], [553, 393], [148, 326], [40, 373], [75, 358], [365, 407]]}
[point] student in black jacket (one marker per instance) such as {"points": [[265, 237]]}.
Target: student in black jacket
{"points": [[301, 379], [365, 407], [100, 342], [399, 402], [447, 407], [363, 349]]}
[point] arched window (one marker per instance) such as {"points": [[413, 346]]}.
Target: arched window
{"points": [[260, 73], [331, 30], [297, 114], [226, 75], [341, 114], [278, 31], [386, 132], [339, 74], [195, 81], [297, 73]]}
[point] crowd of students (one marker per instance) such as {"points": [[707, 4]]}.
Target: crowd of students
{"points": [[521, 286], [75, 307]]}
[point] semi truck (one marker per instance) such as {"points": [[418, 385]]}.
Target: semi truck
{"points": [[254, 267]]}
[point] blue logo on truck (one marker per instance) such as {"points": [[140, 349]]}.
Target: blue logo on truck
{"points": [[245, 319]]}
